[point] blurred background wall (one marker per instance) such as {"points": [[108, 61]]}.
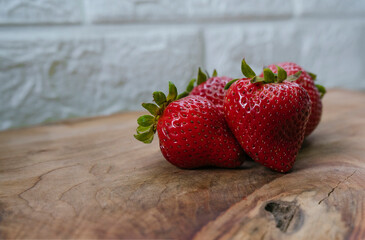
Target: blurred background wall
{"points": [[71, 58]]}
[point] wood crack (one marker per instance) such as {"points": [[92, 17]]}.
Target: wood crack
{"points": [[334, 188], [159, 196], [41, 177], [35, 184], [61, 196]]}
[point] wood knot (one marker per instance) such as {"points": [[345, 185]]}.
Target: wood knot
{"points": [[288, 215]]}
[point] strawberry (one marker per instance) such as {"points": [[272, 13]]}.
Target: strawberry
{"points": [[211, 88], [315, 91], [191, 132], [268, 116]]}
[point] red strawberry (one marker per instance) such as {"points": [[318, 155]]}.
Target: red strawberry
{"points": [[315, 92], [268, 116], [191, 132], [211, 89]]}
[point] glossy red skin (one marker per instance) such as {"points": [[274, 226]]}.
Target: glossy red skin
{"points": [[193, 135], [213, 90], [268, 120], [308, 84]]}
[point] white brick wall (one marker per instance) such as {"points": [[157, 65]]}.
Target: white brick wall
{"points": [[72, 58], [116, 11], [330, 8], [24, 12]]}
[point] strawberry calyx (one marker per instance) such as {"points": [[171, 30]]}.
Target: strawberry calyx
{"points": [[312, 75], [147, 123], [269, 76], [189, 88], [215, 74], [201, 78], [321, 89]]}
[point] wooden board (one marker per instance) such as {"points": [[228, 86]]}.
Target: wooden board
{"points": [[90, 179]]}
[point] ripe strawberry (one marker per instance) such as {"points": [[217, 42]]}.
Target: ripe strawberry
{"points": [[268, 116], [191, 132], [211, 89], [315, 91]]}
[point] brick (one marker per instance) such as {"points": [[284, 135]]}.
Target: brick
{"points": [[40, 12], [188, 10], [49, 78], [331, 8]]}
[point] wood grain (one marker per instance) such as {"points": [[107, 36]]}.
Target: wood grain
{"points": [[90, 179]]}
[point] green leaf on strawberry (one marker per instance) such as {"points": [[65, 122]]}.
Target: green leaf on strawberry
{"points": [[172, 92], [146, 120], [321, 89], [247, 70], [268, 75], [147, 123], [312, 75], [282, 75], [201, 77], [151, 107], [189, 88], [159, 98], [215, 74]]}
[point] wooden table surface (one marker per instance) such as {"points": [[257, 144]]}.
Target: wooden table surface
{"points": [[91, 179]]}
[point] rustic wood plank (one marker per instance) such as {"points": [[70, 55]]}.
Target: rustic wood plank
{"points": [[90, 179]]}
